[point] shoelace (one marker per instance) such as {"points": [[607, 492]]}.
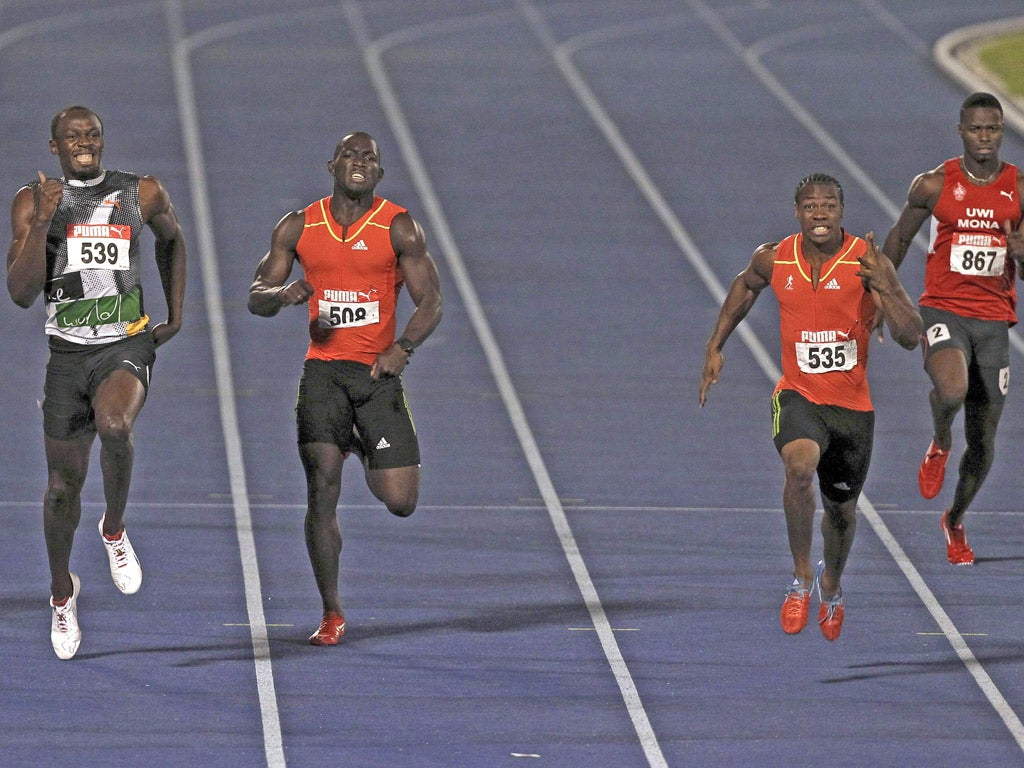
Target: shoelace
{"points": [[119, 550], [61, 613], [831, 612]]}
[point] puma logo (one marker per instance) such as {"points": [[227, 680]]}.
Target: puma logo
{"points": [[1008, 194]]}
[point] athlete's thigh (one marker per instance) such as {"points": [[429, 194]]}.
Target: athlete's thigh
{"points": [[990, 371], [323, 408], [843, 469], [386, 426]]}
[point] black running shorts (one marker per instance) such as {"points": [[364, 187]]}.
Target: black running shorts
{"points": [[985, 344], [75, 371], [335, 395], [844, 436]]}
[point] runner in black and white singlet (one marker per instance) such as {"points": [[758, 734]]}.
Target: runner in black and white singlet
{"points": [[76, 241]]}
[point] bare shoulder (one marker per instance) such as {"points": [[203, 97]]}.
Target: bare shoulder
{"points": [[153, 198], [407, 236], [926, 186], [289, 228]]}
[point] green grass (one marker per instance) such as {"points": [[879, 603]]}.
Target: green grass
{"points": [[1004, 58]]}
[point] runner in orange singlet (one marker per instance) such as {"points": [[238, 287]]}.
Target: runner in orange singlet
{"points": [[356, 251], [829, 285], [969, 301]]}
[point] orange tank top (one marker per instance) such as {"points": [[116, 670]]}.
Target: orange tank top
{"points": [[356, 282], [824, 328]]}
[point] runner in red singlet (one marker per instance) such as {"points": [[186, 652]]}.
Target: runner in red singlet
{"points": [[356, 251], [969, 301], [829, 285]]}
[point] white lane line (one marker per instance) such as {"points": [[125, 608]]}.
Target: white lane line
{"points": [[183, 86], [372, 54]]}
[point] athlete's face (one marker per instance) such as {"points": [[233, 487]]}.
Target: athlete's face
{"points": [[820, 214], [356, 165], [982, 132], [79, 145]]}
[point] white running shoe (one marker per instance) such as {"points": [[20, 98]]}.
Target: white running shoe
{"points": [[65, 634], [125, 569]]}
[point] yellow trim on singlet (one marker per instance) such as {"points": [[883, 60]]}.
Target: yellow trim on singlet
{"points": [[327, 219], [840, 258]]}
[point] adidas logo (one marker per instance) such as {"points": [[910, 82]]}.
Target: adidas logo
{"points": [[360, 246], [832, 285], [383, 443]]}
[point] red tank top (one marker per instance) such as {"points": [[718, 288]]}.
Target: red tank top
{"points": [[824, 329], [968, 271], [356, 281]]}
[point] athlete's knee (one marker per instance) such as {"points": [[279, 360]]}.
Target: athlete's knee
{"points": [[114, 429], [403, 509], [62, 491], [949, 394], [801, 470]]}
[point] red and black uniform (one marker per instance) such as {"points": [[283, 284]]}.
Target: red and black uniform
{"points": [[356, 280], [823, 394]]}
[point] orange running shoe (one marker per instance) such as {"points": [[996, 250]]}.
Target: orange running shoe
{"points": [[958, 551], [795, 608], [830, 617], [932, 471], [330, 631], [830, 612]]}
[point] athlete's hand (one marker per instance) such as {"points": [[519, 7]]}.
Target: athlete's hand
{"points": [[46, 197], [296, 292], [390, 362], [713, 362], [878, 275], [1015, 241]]}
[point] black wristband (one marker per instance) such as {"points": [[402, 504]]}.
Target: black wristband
{"points": [[407, 346]]}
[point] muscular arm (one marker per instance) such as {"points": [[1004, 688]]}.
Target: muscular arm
{"points": [[31, 212], [879, 276], [743, 292], [424, 285], [159, 215], [268, 292], [921, 200]]}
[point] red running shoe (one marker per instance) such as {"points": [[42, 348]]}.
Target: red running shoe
{"points": [[932, 471], [830, 617], [795, 608], [330, 631], [830, 612], [958, 551]]}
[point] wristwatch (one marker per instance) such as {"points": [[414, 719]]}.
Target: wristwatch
{"points": [[407, 346]]}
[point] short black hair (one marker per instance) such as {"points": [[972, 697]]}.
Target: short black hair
{"points": [[68, 110], [980, 99], [817, 178]]}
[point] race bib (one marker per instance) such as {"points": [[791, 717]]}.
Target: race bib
{"points": [[981, 254], [334, 314], [98, 246], [822, 358]]}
